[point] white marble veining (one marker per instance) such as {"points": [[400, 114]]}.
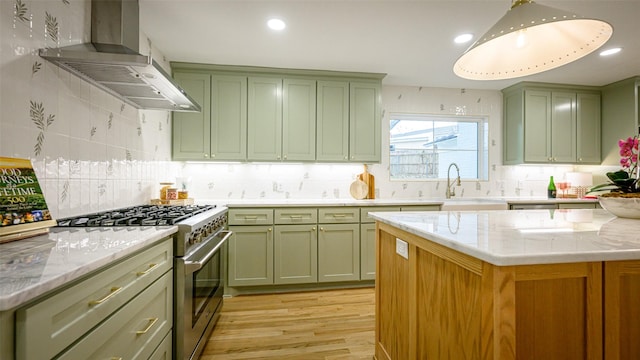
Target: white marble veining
{"points": [[34, 266], [519, 237]]}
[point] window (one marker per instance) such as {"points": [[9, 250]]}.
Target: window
{"points": [[423, 146]]}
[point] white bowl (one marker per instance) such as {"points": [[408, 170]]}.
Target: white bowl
{"points": [[624, 207]]}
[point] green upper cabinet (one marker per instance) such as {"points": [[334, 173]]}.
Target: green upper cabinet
{"points": [[620, 116], [228, 117], [219, 131], [588, 130], [264, 131], [364, 122], [299, 120], [191, 130], [551, 124], [333, 121], [270, 114]]}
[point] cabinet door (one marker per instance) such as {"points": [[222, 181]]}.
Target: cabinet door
{"points": [[588, 128], [264, 124], [296, 254], [338, 252], [563, 127], [333, 121], [192, 130], [364, 122], [250, 255], [299, 120], [537, 126], [368, 251], [228, 117]]}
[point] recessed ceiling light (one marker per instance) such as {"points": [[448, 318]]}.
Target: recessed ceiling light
{"points": [[276, 24], [461, 39], [610, 51]]}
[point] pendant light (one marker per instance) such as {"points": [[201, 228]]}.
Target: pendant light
{"points": [[531, 38]]}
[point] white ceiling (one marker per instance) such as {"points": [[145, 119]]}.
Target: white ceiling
{"points": [[410, 41]]}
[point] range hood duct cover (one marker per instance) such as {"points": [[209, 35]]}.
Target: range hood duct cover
{"points": [[112, 61]]}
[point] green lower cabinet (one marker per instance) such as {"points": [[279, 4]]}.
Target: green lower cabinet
{"points": [[338, 252], [250, 256], [295, 254], [368, 251]]}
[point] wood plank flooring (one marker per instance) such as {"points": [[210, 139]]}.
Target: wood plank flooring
{"points": [[322, 325]]}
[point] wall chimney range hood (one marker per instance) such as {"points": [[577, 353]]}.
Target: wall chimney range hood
{"points": [[112, 62]]}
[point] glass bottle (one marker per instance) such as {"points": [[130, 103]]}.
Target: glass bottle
{"points": [[551, 189]]}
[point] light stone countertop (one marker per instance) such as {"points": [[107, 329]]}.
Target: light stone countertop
{"points": [[392, 202], [33, 266], [519, 237]]}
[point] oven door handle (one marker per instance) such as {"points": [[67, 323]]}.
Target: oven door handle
{"points": [[192, 266]]}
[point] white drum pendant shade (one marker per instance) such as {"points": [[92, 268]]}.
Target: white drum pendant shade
{"points": [[529, 39]]}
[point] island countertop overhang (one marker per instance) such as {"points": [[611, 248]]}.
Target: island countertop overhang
{"points": [[525, 237]]}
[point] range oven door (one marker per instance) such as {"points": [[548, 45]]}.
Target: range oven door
{"points": [[199, 289]]}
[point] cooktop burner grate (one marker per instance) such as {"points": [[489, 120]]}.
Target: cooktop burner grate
{"points": [[143, 215]]}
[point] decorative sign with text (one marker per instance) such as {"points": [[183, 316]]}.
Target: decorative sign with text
{"points": [[23, 209]]}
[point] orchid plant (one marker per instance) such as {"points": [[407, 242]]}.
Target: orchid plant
{"points": [[624, 180]]}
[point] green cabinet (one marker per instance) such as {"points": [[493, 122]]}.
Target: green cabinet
{"points": [[296, 254], [364, 122], [264, 119], [191, 131], [299, 120], [368, 251], [282, 119], [250, 252], [338, 252], [218, 132], [620, 116], [333, 121], [551, 124], [228, 117], [270, 114]]}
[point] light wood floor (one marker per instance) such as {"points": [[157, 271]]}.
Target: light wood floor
{"points": [[323, 325]]}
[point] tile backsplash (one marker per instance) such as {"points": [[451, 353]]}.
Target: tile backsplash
{"points": [[93, 152], [90, 150]]}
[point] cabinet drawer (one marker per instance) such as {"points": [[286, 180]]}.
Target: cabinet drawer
{"points": [[296, 216], [339, 215], [364, 212], [164, 351], [250, 216], [135, 331], [47, 327]]}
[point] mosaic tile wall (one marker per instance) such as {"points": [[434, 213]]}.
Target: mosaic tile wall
{"points": [[90, 150]]}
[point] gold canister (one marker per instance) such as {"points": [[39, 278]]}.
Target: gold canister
{"points": [[164, 186], [183, 194]]}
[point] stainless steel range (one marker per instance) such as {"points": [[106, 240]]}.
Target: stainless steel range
{"points": [[198, 265]]}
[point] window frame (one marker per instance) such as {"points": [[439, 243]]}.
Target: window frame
{"points": [[482, 138]]}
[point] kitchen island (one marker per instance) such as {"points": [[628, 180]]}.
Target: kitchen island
{"points": [[525, 284]]}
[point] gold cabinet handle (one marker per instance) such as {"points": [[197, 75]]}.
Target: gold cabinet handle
{"points": [[151, 267], [152, 321], [295, 216], [321, 229], [116, 358], [269, 229], [112, 292], [339, 215], [313, 228], [251, 217], [206, 155]]}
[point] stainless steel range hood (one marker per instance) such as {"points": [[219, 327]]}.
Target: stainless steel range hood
{"points": [[112, 61]]}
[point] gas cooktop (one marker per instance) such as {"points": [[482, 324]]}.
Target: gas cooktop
{"points": [[143, 215]]}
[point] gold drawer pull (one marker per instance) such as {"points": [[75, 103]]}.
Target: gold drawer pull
{"points": [[251, 217], [113, 291], [152, 321], [116, 358], [151, 267], [339, 215]]}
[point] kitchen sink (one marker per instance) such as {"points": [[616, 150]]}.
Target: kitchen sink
{"points": [[461, 204]]}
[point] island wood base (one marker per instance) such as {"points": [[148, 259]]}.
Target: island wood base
{"points": [[442, 304]]}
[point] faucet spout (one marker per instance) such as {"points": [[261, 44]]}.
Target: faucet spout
{"points": [[452, 192]]}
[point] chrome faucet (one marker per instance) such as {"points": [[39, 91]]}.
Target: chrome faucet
{"points": [[452, 192]]}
